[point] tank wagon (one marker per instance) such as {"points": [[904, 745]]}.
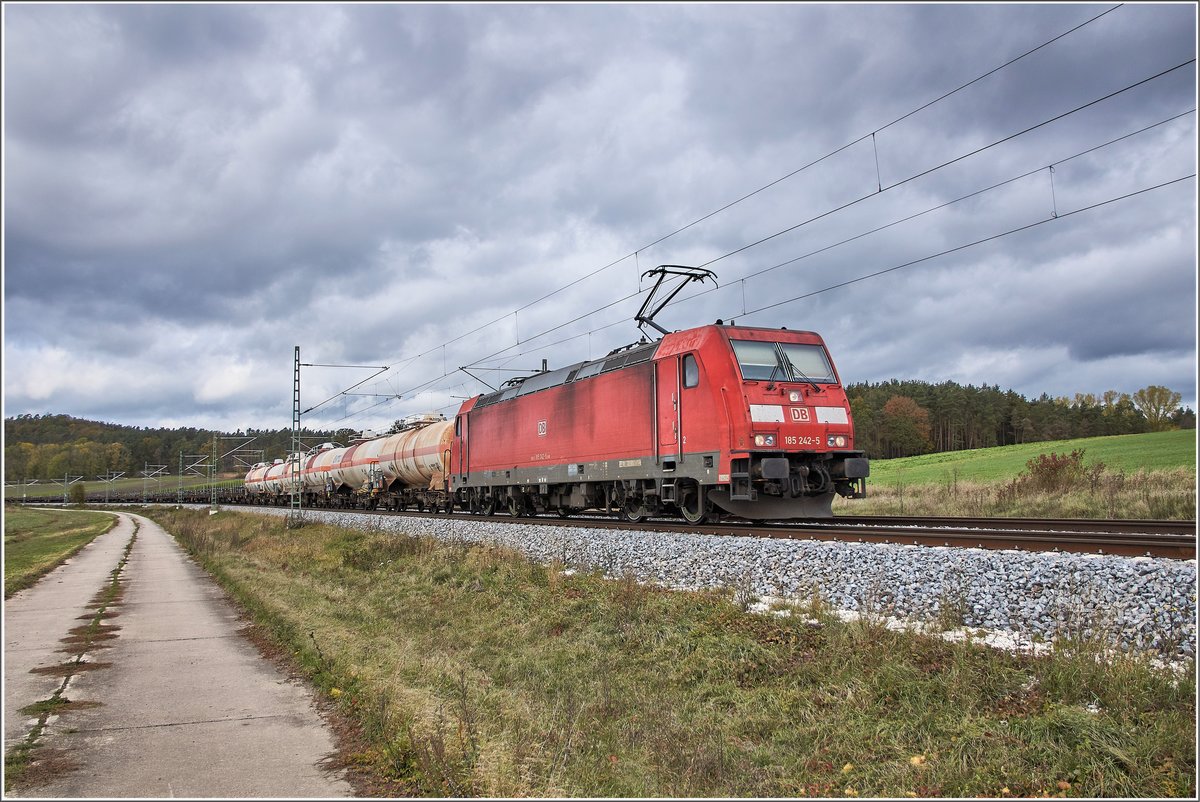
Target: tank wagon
{"points": [[719, 419], [394, 471]]}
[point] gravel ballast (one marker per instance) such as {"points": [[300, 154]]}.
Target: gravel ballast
{"points": [[1137, 604]]}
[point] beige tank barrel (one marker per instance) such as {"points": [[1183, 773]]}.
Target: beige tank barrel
{"points": [[417, 456]]}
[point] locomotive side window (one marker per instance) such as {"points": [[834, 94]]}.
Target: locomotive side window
{"points": [[764, 361], [691, 371]]}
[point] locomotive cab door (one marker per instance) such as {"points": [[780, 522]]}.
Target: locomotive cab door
{"points": [[667, 413]]}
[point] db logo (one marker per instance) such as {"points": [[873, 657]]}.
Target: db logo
{"points": [[800, 414], [541, 428]]}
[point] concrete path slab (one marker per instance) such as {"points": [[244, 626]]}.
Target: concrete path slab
{"points": [[37, 617], [188, 707]]}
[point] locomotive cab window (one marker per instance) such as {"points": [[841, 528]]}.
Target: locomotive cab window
{"points": [[691, 371], [765, 361]]}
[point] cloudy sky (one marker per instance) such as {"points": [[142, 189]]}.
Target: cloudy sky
{"points": [[190, 191]]}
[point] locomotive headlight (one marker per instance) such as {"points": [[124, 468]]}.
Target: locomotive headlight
{"points": [[836, 441], [764, 440], [794, 396]]}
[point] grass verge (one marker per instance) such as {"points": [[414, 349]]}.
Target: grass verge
{"points": [[1145, 476], [38, 541], [1158, 495], [474, 672], [1127, 453]]}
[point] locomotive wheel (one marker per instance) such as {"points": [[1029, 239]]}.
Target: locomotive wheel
{"points": [[633, 511], [514, 506], [695, 506], [614, 500], [489, 505]]}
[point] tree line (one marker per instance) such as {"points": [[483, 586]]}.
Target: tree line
{"points": [[891, 419], [904, 418], [51, 447]]}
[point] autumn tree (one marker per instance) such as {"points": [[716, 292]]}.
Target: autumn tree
{"points": [[1157, 404], [905, 427], [18, 460]]}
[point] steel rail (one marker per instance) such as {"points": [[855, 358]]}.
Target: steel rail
{"points": [[1123, 537], [1148, 526]]}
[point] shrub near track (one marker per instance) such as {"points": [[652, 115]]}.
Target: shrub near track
{"points": [[472, 671], [38, 541]]}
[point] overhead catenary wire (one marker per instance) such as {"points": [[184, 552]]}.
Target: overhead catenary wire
{"points": [[773, 183], [878, 273], [975, 193], [880, 188], [1019, 229], [897, 184], [945, 164], [959, 199]]}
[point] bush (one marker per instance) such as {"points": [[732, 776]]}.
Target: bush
{"points": [[78, 494], [1060, 472]]}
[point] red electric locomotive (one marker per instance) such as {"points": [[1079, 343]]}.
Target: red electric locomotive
{"points": [[711, 420]]}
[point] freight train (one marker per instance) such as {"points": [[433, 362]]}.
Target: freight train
{"points": [[715, 420]]}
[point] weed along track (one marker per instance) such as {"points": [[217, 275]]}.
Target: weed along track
{"points": [[23, 759]]}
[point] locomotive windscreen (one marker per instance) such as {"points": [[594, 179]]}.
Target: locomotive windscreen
{"points": [[782, 361]]}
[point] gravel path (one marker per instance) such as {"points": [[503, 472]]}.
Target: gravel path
{"points": [[1138, 603]]}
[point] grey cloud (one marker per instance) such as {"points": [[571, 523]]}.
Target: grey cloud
{"points": [[370, 181]]}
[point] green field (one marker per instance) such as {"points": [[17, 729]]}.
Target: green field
{"points": [[1128, 453], [36, 541], [135, 485]]}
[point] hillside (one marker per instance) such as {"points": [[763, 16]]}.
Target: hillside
{"points": [[1127, 453]]}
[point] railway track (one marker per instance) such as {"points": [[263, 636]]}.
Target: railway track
{"points": [[1172, 539], [1124, 537]]}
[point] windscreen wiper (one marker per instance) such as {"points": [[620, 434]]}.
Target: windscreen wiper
{"points": [[782, 359], [774, 370]]}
